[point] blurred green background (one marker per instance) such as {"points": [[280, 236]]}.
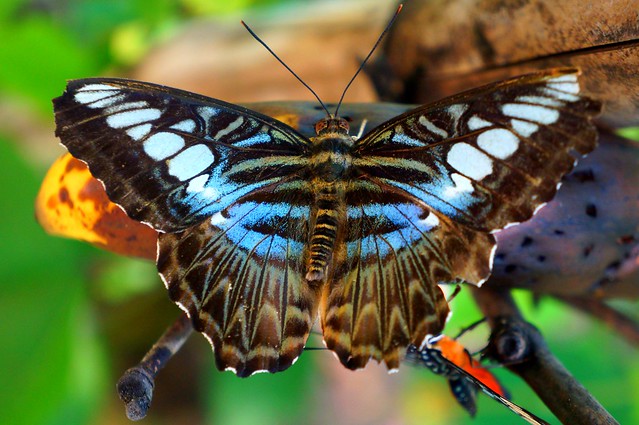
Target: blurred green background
{"points": [[73, 317]]}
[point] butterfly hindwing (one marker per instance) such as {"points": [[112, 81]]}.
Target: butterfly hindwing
{"points": [[172, 158], [239, 275], [490, 156], [383, 293]]}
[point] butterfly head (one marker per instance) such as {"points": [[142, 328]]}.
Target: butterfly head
{"points": [[330, 125]]}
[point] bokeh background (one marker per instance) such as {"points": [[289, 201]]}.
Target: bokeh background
{"points": [[73, 318]]}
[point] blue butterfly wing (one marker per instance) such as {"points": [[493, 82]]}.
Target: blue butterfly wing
{"points": [[488, 157], [226, 188], [239, 275], [383, 293], [172, 158], [432, 183]]}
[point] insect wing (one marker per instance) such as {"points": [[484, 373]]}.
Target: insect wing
{"points": [[383, 293], [435, 360], [490, 156], [223, 185], [430, 185], [239, 275], [172, 158]]}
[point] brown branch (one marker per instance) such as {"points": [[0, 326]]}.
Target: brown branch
{"points": [[615, 320], [135, 387], [521, 347]]}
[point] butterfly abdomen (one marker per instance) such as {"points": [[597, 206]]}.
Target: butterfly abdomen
{"points": [[329, 207]]}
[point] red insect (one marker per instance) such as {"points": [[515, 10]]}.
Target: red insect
{"points": [[447, 357]]}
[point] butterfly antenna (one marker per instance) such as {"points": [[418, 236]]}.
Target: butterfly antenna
{"points": [[286, 66], [379, 40]]}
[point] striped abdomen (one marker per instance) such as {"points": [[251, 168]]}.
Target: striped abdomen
{"points": [[328, 208]]}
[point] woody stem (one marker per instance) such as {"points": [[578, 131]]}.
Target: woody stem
{"points": [[521, 347]]}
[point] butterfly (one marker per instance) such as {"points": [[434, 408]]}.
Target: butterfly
{"points": [[447, 357], [260, 227]]}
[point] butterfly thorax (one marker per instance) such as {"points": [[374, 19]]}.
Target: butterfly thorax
{"points": [[330, 168]]}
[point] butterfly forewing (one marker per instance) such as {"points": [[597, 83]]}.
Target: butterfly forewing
{"points": [[172, 158], [490, 156]]}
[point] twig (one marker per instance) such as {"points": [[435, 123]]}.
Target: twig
{"points": [[521, 347], [135, 387]]}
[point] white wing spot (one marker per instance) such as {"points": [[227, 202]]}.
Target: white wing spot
{"points": [[133, 117], [432, 220], [475, 123], [540, 100], [163, 145], [498, 142], [456, 111], [197, 185], [565, 87], [401, 138], [470, 161], [206, 113], [567, 97], [96, 95], [531, 113], [104, 102], [126, 106], [230, 128], [462, 185], [217, 219], [191, 162], [98, 87], [432, 127], [186, 126], [139, 131], [564, 78], [524, 128]]}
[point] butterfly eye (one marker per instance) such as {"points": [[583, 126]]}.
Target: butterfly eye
{"points": [[331, 125], [343, 124], [320, 126]]}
